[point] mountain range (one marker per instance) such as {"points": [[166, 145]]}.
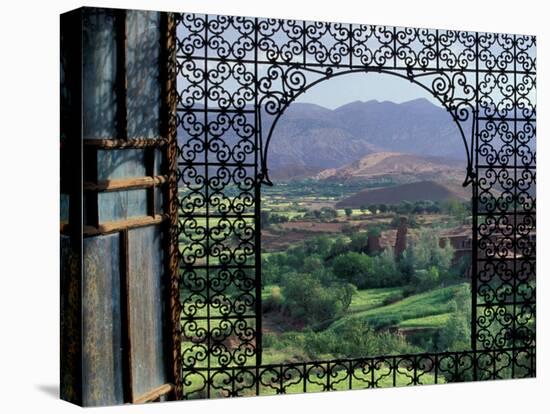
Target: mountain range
{"points": [[310, 138]]}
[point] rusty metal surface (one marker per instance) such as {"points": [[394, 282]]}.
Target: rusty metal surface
{"points": [[171, 195]]}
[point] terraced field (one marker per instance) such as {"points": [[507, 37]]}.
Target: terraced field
{"points": [[428, 309]]}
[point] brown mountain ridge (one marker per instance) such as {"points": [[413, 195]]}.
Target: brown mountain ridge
{"points": [[417, 191], [401, 167]]}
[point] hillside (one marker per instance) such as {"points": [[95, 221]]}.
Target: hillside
{"points": [[417, 191], [401, 167], [413, 311]]}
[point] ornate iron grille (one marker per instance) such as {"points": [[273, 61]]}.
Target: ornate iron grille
{"points": [[235, 78]]}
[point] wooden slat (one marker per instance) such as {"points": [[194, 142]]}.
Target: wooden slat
{"points": [[114, 143], [121, 78], [115, 226], [125, 184], [154, 394], [90, 174]]}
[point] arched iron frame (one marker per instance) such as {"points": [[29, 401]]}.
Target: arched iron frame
{"points": [[235, 77]]}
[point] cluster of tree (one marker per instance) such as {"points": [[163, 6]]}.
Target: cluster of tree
{"points": [[324, 214], [268, 218], [411, 221], [365, 271], [455, 335], [324, 188], [374, 208], [317, 277], [353, 338], [458, 209], [427, 264], [424, 264], [315, 300]]}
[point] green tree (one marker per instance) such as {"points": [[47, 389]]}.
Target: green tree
{"points": [[355, 268], [442, 256], [425, 279], [457, 209], [387, 271], [305, 298], [359, 242], [422, 255], [273, 302], [426, 251], [405, 207], [355, 338], [348, 211], [317, 245], [455, 335], [329, 213], [312, 264], [338, 247], [278, 218], [345, 294], [374, 231]]}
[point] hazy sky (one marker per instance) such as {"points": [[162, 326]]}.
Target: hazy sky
{"points": [[343, 89]]}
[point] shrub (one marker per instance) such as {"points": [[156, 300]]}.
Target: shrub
{"points": [[425, 279], [387, 271], [274, 301], [359, 242], [348, 229], [366, 271], [425, 263], [355, 268], [305, 298], [455, 335], [355, 338]]}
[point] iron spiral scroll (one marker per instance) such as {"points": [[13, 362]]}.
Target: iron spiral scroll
{"points": [[235, 78]]}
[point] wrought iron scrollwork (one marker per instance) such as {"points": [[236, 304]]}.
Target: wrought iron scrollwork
{"points": [[235, 78]]}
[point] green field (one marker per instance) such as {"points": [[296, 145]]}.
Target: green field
{"points": [[430, 322], [413, 310], [368, 299]]}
